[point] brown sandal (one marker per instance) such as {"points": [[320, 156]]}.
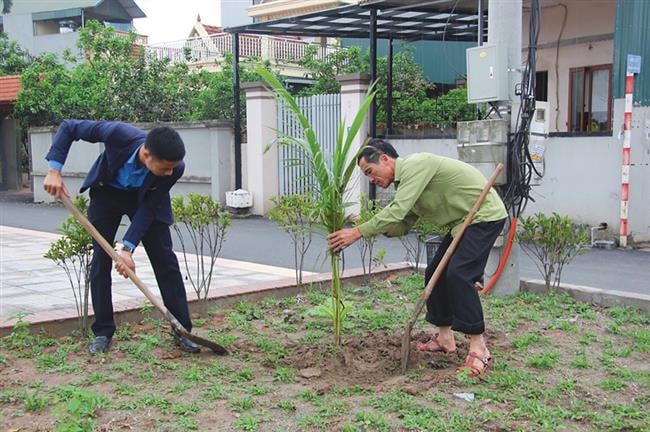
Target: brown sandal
{"points": [[424, 346], [469, 364]]}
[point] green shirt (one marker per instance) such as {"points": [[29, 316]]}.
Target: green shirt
{"points": [[439, 189]]}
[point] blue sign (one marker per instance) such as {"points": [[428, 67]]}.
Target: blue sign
{"points": [[633, 63]]}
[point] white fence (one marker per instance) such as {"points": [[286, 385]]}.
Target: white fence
{"points": [[201, 49], [324, 114]]}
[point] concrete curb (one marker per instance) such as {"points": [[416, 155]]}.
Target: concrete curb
{"points": [[596, 296], [63, 322]]}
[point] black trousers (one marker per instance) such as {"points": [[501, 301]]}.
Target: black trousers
{"points": [[107, 206], [454, 300]]}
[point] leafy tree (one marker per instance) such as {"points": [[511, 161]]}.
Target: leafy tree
{"points": [[117, 82], [206, 225], [325, 70], [213, 96], [552, 241], [366, 245], [414, 241], [294, 213], [73, 253], [13, 59]]}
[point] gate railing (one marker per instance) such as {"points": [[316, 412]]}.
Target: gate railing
{"points": [[324, 115]]}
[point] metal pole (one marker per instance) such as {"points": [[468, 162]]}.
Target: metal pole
{"points": [[372, 120], [237, 109], [479, 39], [389, 89], [480, 22]]}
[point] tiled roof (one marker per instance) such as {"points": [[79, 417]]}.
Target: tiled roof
{"points": [[212, 29], [9, 88]]}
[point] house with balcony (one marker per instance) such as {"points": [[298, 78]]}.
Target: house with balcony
{"points": [[52, 26]]}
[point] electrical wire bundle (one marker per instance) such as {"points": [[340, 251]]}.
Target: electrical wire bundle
{"points": [[520, 167]]}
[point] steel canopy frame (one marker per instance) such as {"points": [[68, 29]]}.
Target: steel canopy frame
{"points": [[410, 20]]}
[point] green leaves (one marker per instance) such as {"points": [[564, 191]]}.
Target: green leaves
{"points": [[332, 172], [206, 226], [553, 241], [117, 81]]}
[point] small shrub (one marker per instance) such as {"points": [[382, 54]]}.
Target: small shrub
{"points": [[295, 215], [206, 225], [552, 241]]}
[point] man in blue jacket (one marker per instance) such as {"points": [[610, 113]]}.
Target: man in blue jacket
{"points": [[132, 177]]}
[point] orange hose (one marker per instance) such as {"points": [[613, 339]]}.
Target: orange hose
{"points": [[504, 259]]}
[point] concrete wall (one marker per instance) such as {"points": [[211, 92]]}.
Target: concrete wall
{"points": [[582, 175], [20, 27], [209, 162], [586, 39]]}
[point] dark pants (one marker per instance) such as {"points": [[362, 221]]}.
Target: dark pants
{"points": [[454, 300], [107, 206]]}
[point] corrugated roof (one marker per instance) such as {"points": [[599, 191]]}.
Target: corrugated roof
{"points": [[9, 88], [35, 6]]}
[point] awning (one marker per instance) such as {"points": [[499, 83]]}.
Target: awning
{"points": [[404, 19]]}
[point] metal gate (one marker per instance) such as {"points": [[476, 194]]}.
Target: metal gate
{"points": [[324, 114]]}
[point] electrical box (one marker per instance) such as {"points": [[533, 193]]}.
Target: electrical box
{"points": [[487, 74]]}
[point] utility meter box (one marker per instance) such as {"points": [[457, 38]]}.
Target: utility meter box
{"points": [[487, 74]]}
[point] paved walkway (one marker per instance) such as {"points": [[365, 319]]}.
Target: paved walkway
{"points": [[32, 284]]}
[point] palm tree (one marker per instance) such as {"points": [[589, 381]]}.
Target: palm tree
{"points": [[332, 174], [6, 6]]}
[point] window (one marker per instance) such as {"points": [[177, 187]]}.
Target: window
{"points": [[541, 86], [590, 99]]}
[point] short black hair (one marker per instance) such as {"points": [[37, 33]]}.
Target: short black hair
{"points": [[164, 143], [375, 148]]}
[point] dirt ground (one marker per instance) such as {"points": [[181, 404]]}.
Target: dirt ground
{"points": [[559, 365]]}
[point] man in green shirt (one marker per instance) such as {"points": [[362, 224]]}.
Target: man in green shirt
{"points": [[442, 191]]}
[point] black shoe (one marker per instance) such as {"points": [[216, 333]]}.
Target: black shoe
{"points": [[99, 345], [185, 344]]}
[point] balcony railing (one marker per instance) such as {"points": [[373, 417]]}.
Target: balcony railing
{"points": [[202, 49]]}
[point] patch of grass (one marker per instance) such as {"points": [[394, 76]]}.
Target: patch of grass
{"points": [[79, 409], [580, 359], [422, 418], [193, 374], [370, 421], [393, 401], [214, 392], [96, 377], [125, 389], [534, 338], [57, 362], [187, 423], [123, 332], [242, 404], [641, 337], [564, 325], [35, 402], [284, 375], [612, 385], [185, 409], [287, 405], [588, 338], [545, 360], [309, 396], [163, 404], [258, 390], [311, 336], [246, 423]]}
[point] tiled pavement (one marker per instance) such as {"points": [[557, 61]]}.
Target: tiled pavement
{"points": [[34, 285]]}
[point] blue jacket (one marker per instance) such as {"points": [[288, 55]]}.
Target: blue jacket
{"points": [[120, 141]]}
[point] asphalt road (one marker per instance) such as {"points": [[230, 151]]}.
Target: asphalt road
{"points": [[259, 240]]}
